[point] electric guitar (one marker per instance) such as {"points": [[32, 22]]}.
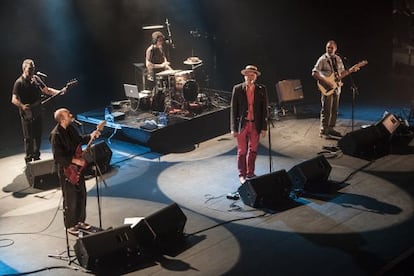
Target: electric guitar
{"points": [[35, 109], [73, 171], [335, 82]]}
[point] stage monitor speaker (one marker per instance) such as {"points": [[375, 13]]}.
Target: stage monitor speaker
{"points": [[144, 234], [266, 191], [102, 154], [106, 248], [289, 90], [167, 224], [42, 174], [367, 143], [311, 175]]}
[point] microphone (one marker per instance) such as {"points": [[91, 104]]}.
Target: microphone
{"points": [[77, 122], [40, 74]]}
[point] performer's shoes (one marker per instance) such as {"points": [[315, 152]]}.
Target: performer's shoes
{"points": [[250, 176], [242, 179], [84, 225], [73, 230], [233, 196], [323, 134], [333, 132]]}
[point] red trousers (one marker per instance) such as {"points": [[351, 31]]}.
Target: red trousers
{"points": [[247, 144]]}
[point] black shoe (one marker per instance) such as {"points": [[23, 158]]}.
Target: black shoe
{"points": [[233, 196], [333, 132]]}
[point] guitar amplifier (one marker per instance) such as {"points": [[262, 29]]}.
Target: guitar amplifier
{"points": [[289, 90], [42, 174]]}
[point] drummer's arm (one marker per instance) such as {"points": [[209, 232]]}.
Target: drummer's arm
{"points": [[166, 64]]}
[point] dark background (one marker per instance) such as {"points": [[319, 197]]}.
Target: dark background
{"points": [[97, 42]]}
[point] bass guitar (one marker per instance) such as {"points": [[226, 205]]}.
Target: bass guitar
{"points": [[73, 171], [334, 82], [35, 109]]}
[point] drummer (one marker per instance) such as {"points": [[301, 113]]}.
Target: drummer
{"points": [[156, 58]]}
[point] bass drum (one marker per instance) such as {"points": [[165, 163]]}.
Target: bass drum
{"points": [[190, 90]]}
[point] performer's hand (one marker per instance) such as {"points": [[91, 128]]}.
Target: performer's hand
{"points": [[79, 161], [166, 65], [234, 133], [95, 134], [63, 90], [25, 107]]}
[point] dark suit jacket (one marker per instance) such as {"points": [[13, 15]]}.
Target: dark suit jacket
{"points": [[239, 107]]}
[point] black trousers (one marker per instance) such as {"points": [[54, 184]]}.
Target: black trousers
{"points": [[32, 134], [74, 201]]}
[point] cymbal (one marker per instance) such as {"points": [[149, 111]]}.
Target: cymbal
{"points": [[167, 73], [152, 27], [192, 61]]}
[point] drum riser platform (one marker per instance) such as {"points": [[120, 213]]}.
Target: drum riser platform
{"points": [[178, 134]]}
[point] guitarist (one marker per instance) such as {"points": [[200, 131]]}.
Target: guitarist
{"points": [[66, 140], [27, 90], [327, 65]]}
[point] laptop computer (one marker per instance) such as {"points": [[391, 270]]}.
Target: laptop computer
{"points": [[131, 91]]}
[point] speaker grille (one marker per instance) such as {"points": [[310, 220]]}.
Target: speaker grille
{"points": [[311, 175], [266, 191], [167, 223], [42, 174], [106, 248], [102, 154]]}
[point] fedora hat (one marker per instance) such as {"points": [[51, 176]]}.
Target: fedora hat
{"points": [[250, 68]]}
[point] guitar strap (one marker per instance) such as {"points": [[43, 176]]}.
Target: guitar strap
{"points": [[333, 63]]}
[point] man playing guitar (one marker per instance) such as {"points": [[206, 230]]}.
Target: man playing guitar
{"points": [[328, 71], [66, 141], [27, 90]]}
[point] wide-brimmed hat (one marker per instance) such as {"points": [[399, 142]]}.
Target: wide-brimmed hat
{"points": [[250, 68]]}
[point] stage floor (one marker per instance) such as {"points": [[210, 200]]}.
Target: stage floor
{"points": [[363, 227]]}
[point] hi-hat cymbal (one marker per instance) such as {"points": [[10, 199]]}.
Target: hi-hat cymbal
{"points": [[152, 27]]}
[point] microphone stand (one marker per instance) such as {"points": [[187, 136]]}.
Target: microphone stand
{"points": [[269, 136], [169, 33], [355, 92], [269, 122], [68, 257], [97, 171]]}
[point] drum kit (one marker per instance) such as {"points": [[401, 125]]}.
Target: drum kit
{"points": [[180, 89], [177, 91]]}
